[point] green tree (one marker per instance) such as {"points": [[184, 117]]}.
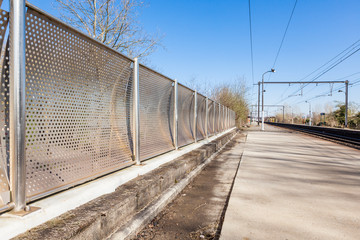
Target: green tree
{"points": [[339, 114]]}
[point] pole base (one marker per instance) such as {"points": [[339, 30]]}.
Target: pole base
{"points": [[22, 213]]}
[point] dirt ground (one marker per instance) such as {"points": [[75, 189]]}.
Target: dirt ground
{"points": [[198, 211]]}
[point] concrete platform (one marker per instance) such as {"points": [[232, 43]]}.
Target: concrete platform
{"points": [[293, 186]]}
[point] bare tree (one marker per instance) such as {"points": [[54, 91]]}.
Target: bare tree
{"points": [[233, 97], [112, 22]]}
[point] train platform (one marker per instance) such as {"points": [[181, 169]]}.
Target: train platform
{"points": [[293, 186]]}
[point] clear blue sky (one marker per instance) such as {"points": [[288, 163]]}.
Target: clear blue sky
{"points": [[208, 40]]}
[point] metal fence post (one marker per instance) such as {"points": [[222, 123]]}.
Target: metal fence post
{"points": [[17, 104], [227, 118], [206, 117], [176, 114], [214, 117], [219, 120], [223, 120], [136, 112], [195, 116]]}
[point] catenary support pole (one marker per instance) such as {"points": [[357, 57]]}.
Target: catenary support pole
{"points": [[136, 107], [346, 102], [176, 114], [17, 104], [283, 120], [195, 116], [310, 123], [258, 113]]}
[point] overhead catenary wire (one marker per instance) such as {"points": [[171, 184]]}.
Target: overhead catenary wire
{"points": [[251, 51], [329, 61], [282, 40], [251, 44], [354, 82], [284, 35], [325, 94], [349, 53]]}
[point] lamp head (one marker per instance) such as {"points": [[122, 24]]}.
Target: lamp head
{"points": [[273, 70]]}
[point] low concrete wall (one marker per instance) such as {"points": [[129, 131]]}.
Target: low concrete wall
{"points": [[99, 218]]}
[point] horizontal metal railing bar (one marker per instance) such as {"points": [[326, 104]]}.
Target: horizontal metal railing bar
{"points": [[154, 71], [55, 19], [33, 7], [186, 87], [7, 207], [77, 182]]}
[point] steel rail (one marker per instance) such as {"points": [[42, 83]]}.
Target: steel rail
{"points": [[327, 133]]}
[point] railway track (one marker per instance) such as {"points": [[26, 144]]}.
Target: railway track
{"points": [[346, 137]]}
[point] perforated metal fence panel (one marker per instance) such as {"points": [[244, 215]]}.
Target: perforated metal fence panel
{"points": [[79, 109], [156, 113], [78, 105], [185, 116], [201, 114], [4, 113]]}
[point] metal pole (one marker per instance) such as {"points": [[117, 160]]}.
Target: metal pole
{"points": [[136, 110], [219, 118], [17, 104], [310, 113], [283, 114], [214, 106], [176, 114], [262, 105], [223, 116], [206, 117], [258, 115], [227, 118], [262, 100], [195, 115], [346, 101], [224, 120]]}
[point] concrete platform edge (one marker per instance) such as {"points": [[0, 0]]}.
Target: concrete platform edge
{"points": [[103, 215], [130, 229]]}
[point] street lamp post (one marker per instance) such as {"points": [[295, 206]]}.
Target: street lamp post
{"points": [[262, 100], [309, 112]]}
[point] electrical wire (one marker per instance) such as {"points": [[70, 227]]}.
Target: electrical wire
{"points": [[351, 84], [308, 75], [343, 58], [284, 35], [251, 45], [252, 53], [325, 94], [348, 54]]}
